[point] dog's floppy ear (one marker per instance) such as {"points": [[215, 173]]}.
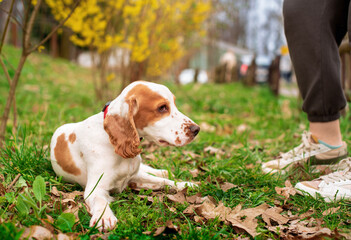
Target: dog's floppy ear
{"points": [[122, 131]]}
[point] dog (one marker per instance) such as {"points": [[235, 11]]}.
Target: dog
{"points": [[102, 152]]}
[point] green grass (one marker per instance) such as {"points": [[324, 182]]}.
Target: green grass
{"points": [[54, 92]]}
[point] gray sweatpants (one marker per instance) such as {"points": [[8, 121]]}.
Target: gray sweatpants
{"points": [[314, 30]]}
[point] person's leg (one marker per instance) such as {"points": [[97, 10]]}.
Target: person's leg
{"points": [[328, 132], [314, 29]]}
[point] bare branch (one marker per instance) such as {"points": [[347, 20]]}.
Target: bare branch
{"points": [[6, 25], [5, 71], [56, 28], [12, 67], [13, 18], [26, 16], [29, 28]]}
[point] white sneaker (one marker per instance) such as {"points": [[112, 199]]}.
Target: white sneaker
{"points": [[311, 150], [333, 186]]}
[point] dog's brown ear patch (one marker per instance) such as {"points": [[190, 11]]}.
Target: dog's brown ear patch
{"points": [[63, 156], [123, 134]]}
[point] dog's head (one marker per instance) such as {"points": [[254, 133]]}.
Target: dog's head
{"points": [[146, 109]]}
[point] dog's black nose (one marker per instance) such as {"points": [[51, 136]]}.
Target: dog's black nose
{"points": [[194, 129]]}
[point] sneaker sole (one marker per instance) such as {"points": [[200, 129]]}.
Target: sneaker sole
{"points": [[313, 192], [313, 162]]}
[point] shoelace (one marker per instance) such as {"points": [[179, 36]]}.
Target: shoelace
{"points": [[339, 176], [305, 145]]}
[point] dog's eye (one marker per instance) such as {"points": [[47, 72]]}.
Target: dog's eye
{"points": [[163, 109]]}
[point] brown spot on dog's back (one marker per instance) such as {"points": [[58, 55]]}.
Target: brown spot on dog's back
{"points": [[63, 156], [72, 137]]}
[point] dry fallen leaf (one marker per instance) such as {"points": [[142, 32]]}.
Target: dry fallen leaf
{"points": [[242, 128], [71, 236], [191, 154], [159, 231], [307, 214], [37, 232], [286, 191], [47, 222], [206, 210], [194, 172], [197, 199], [226, 186], [179, 197], [213, 150], [249, 166], [249, 224], [274, 214], [70, 195], [330, 211], [207, 127]]}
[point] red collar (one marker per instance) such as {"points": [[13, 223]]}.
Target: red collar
{"points": [[105, 109]]}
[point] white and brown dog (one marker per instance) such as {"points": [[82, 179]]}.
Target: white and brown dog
{"points": [[107, 145]]}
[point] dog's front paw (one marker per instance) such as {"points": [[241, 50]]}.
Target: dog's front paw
{"points": [[108, 221], [181, 185]]}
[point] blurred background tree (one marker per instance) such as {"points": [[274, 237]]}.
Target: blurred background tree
{"points": [[22, 15], [145, 37]]}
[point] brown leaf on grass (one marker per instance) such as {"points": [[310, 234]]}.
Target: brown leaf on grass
{"points": [[222, 211], [236, 146], [227, 185], [159, 231], [47, 222], [249, 166], [345, 235], [2, 190], [194, 172], [197, 199], [310, 232], [158, 195], [297, 229], [286, 191], [199, 219], [73, 236], [191, 154], [171, 226], [190, 209], [207, 127], [37, 232], [307, 214], [213, 150], [246, 219], [274, 214], [242, 128], [70, 195], [206, 210], [149, 198], [330, 211], [179, 197], [150, 156]]}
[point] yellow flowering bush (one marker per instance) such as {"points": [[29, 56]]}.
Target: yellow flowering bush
{"points": [[156, 32]]}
